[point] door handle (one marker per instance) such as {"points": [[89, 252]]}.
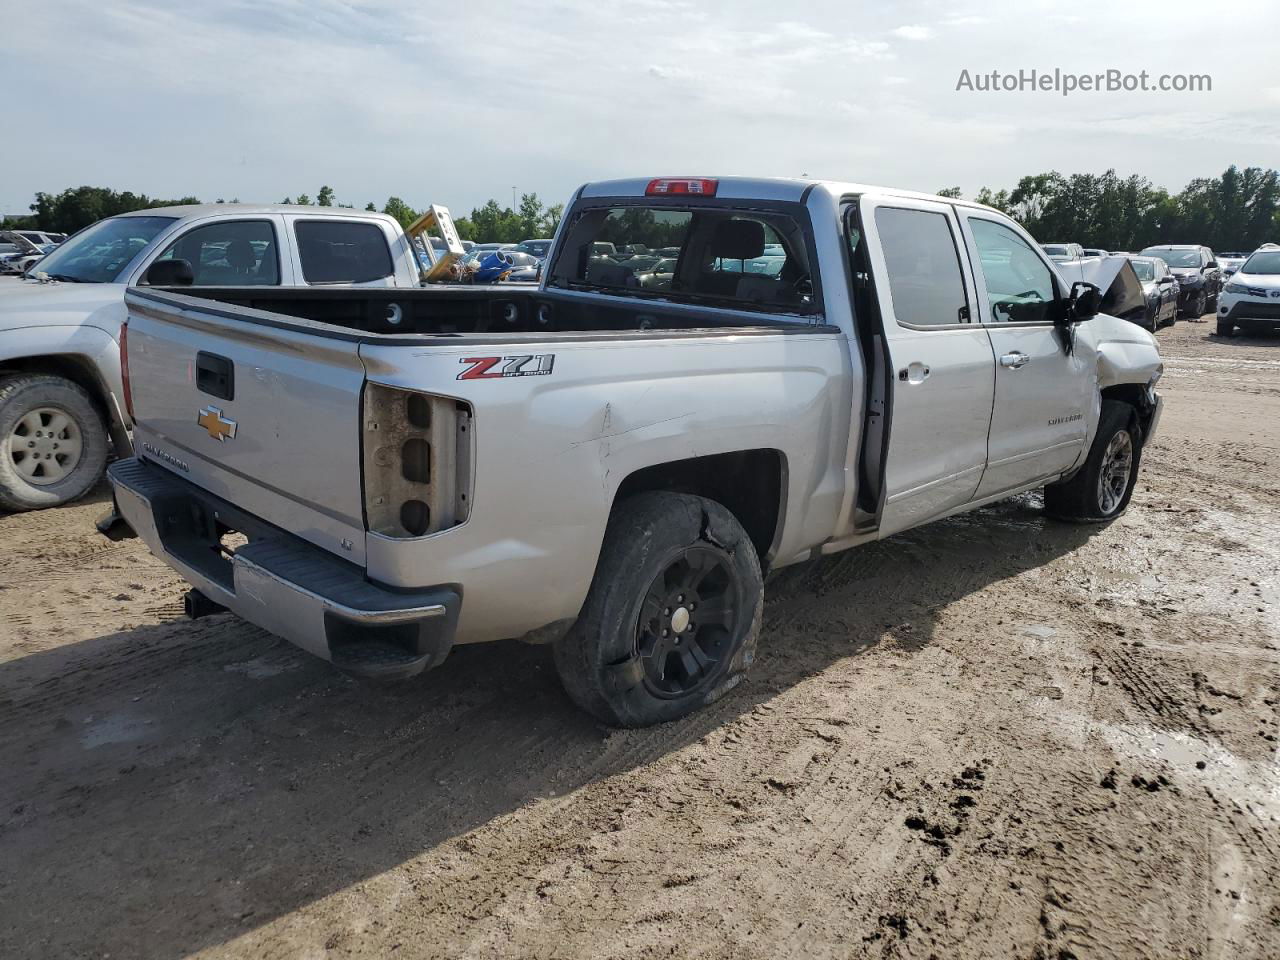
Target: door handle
{"points": [[914, 372], [1014, 360]]}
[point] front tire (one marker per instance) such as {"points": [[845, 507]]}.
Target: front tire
{"points": [[1226, 328], [671, 621], [53, 443], [1100, 491]]}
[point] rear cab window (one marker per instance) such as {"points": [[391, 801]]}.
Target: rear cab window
{"points": [[337, 251], [711, 254]]}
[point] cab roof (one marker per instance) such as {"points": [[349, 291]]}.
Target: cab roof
{"points": [[787, 189], [208, 209]]}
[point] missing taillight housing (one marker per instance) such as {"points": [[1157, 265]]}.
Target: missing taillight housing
{"points": [[417, 461]]}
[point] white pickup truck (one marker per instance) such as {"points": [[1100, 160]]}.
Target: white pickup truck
{"points": [[61, 407], [378, 475]]}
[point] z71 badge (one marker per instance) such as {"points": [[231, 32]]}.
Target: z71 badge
{"points": [[487, 368]]}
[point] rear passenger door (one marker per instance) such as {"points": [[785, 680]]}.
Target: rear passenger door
{"points": [[348, 253], [1042, 392], [941, 368]]}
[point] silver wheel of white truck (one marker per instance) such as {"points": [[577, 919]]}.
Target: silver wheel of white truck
{"points": [[53, 445], [672, 618]]}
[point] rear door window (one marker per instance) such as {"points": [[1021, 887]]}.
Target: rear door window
{"points": [[229, 253], [923, 265], [342, 252], [748, 260]]}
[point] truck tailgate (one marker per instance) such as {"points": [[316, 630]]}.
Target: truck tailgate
{"points": [[267, 418]]}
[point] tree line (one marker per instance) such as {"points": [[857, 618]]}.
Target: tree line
{"points": [[76, 207], [1239, 210]]}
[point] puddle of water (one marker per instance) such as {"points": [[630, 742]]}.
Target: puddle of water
{"points": [[1256, 782], [261, 668], [117, 728], [1038, 630]]}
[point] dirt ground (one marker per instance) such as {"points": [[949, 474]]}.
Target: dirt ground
{"points": [[996, 736]]}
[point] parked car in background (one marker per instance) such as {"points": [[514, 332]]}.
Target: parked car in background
{"points": [[1160, 289], [1059, 252], [658, 276], [20, 252], [616, 469], [480, 250], [1199, 279], [1095, 252], [1230, 262], [535, 248], [524, 266], [1251, 298], [38, 237], [62, 400]]}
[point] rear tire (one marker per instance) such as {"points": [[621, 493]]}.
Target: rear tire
{"points": [[671, 621], [1100, 491], [53, 443]]}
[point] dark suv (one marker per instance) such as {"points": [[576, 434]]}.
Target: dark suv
{"points": [[1199, 278]]}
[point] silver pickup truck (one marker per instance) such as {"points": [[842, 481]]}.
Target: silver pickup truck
{"points": [[610, 466]]}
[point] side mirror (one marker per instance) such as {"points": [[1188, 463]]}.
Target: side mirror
{"points": [[170, 273], [1212, 265], [1165, 280], [1084, 303]]}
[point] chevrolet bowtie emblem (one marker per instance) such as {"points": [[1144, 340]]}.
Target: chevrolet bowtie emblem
{"points": [[219, 427]]}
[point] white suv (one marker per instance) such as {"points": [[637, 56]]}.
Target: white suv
{"points": [[1251, 298]]}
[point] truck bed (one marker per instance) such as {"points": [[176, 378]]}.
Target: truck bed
{"points": [[453, 311]]}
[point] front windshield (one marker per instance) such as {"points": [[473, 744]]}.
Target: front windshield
{"points": [[104, 251], [1263, 264], [1144, 269], [1176, 258]]}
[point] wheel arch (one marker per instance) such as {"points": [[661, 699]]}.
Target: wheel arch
{"points": [[750, 484], [82, 371], [1136, 396]]}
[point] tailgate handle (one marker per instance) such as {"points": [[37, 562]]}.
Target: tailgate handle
{"points": [[215, 376]]}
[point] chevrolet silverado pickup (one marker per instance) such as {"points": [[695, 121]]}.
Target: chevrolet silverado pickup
{"points": [[378, 475], [61, 406]]}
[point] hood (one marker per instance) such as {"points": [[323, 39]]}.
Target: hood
{"points": [[1262, 281], [1122, 292], [28, 303], [1185, 271]]}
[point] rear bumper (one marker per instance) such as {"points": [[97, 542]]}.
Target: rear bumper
{"points": [[282, 583]]}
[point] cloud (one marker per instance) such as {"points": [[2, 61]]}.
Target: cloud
{"points": [[913, 32], [382, 97]]}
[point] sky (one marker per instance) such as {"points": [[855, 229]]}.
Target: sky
{"points": [[456, 103]]}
